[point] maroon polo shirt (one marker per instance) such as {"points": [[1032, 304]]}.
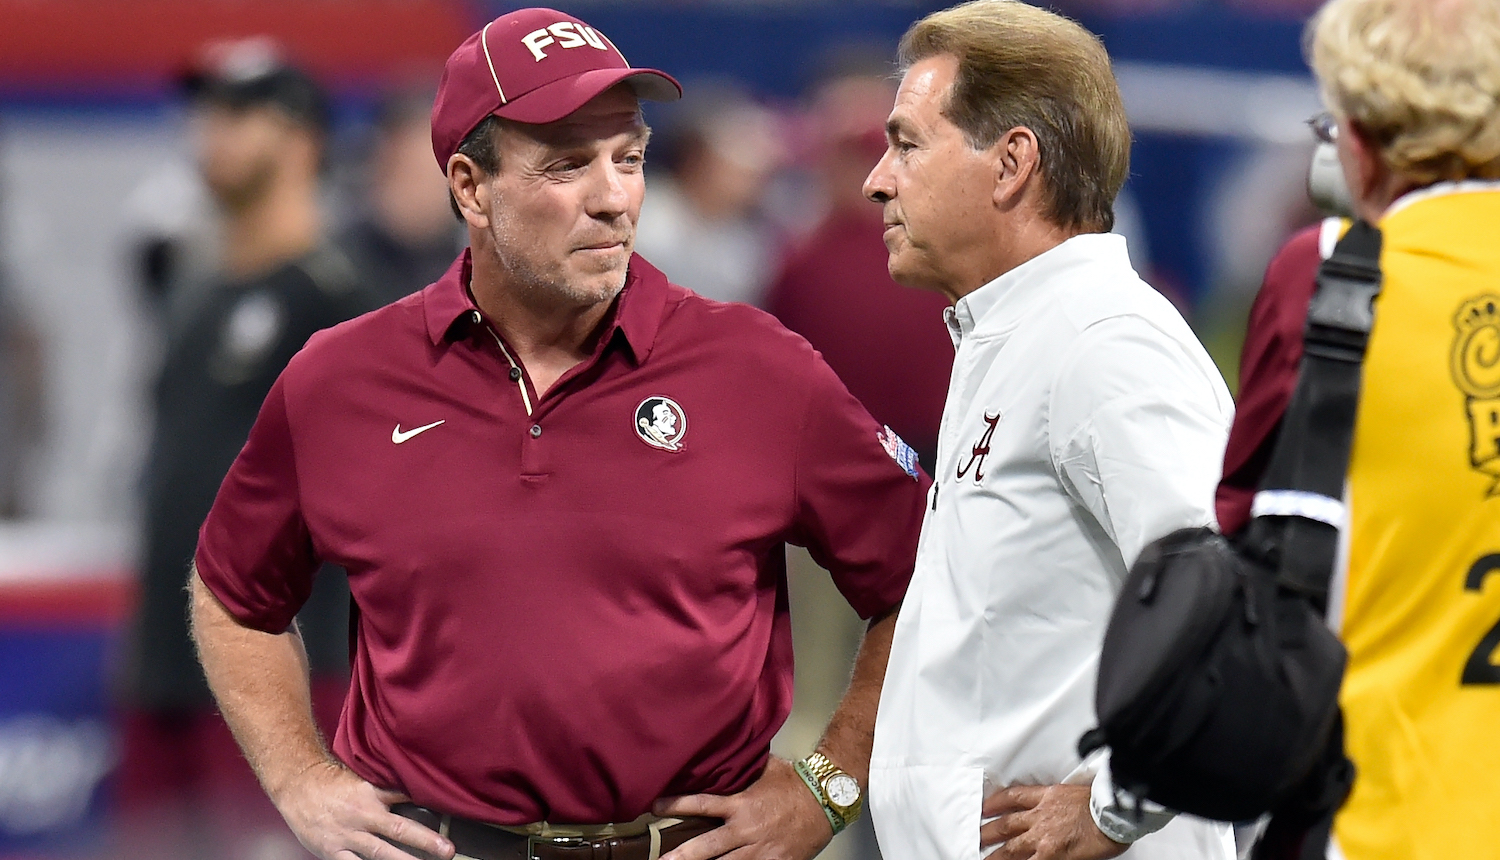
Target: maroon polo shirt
{"points": [[567, 614], [1268, 374]]}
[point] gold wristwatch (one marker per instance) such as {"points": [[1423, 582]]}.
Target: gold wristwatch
{"points": [[838, 792]]}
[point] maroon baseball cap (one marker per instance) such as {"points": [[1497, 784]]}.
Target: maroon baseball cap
{"points": [[533, 66]]}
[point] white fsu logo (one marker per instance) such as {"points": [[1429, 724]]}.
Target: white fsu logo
{"points": [[563, 34]]}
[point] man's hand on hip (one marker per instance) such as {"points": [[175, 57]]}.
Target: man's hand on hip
{"points": [[776, 818], [1044, 822], [339, 816]]}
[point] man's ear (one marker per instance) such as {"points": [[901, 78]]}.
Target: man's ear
{"points": [[1017, 157], [466, 182]]}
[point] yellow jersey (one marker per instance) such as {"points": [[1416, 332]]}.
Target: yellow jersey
{"points": [[1419, 607]]}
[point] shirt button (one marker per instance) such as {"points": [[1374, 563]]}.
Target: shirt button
{"points": [[474, 315], [536, 430], [515, 374]]}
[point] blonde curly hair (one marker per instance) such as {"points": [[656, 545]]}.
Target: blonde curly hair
{"points": [[1420, 77]]}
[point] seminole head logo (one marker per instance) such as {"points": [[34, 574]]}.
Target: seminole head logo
{"points": [[661, 423], [1476, 370]]}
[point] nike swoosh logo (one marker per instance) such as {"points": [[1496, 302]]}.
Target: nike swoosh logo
{"points": [[398, 436]]}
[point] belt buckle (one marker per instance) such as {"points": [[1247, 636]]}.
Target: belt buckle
{"points": [[553, 841]]}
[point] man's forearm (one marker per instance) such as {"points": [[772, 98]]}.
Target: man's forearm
{"points": [[851, 731], [261, 683]]}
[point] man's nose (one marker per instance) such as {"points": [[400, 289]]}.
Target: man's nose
{"points": [[612, 195], [878, 186]]}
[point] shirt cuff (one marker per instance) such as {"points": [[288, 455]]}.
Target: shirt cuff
{"points": [[1120, 815]]}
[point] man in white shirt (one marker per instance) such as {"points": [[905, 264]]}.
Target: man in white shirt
{"points": [[1083, 421]]}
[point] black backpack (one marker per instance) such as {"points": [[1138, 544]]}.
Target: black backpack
{"points": [[1219, 679]]}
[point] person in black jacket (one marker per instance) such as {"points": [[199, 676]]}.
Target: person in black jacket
{"points": [[259, 127]]}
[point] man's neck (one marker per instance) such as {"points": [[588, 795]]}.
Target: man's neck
{"points": [[1034, 238], [281, 225], [1392, 187], [549, 334]]}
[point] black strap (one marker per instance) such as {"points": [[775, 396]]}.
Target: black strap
{"points": [[1300, 825], [1312, 448]]}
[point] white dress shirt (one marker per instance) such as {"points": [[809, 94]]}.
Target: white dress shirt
{"points": [[1084, 420]]}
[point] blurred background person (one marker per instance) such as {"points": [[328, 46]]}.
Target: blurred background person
{"points": [[404, 235], [886, 342], [713, 154], [21, 420], [173, 233], [259, 128], [833, 289]]}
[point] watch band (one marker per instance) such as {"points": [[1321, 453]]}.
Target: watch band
{"points": [[816, 786]]}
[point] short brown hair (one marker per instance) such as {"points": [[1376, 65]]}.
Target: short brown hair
{"points": [[482, 146], [1022, 66], [1421, 78]]}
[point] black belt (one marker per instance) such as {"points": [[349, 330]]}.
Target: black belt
{"points": [[483, 841]]}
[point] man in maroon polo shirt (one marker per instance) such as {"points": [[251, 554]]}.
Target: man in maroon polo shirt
{"points": [[561, 487]]}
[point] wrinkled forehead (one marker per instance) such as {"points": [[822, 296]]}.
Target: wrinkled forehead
{"points": [[926, 84]]}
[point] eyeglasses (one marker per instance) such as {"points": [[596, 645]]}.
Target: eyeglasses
{"points": [[1324, 127]]}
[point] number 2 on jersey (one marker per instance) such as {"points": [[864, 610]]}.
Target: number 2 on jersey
{"points": [[1479, 669]]}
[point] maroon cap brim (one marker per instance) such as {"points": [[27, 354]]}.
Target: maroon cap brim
{"points": [[552, 102]]}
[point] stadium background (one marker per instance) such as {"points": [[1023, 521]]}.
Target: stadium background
{"points": [[1216, 91]]}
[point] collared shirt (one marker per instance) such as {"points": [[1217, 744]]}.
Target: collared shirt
{"points": [[570, 603], [1083, 421]]}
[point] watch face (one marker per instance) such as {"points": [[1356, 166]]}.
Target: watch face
{"points": [[842, 790]]}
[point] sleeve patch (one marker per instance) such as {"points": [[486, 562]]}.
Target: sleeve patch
{"points": [[899, 451]]}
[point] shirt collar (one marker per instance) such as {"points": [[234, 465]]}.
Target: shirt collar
{"points": [[635, 317], [446, 303], [998, 306], [1439, 189]]}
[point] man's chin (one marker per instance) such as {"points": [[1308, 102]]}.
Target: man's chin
{"points": [[902, 271], [596, 287], [917, 277]]}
